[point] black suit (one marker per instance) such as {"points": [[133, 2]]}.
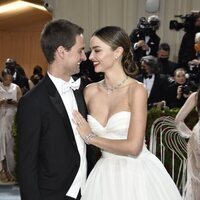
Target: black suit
{"points": [[159, 88], [187, 52], [153, 43], [48, 156]]}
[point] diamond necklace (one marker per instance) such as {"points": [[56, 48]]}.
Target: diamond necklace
{"points": [[110, 89]]}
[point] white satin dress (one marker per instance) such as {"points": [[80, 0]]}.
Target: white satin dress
{"points": [[117, 177]]}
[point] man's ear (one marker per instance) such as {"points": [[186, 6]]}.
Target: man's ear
{"points": [[60, 51]]}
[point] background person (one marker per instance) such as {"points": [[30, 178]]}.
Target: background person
{"points": [[37, 75], [179, 90], [193, 146], [155, 82], [186, 51], [10, 94], [144, 38], [165, 65]]}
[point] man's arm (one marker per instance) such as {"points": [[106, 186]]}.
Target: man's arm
{"points": [[28, 127]]}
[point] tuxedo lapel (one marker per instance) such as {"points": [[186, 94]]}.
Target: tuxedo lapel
{"points": [[80, 99], [80, 102], [57, 102], [154, 88]]}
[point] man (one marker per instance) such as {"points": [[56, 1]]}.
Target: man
{"points": [[187, 51], [165, 65], [155, 83], [52, 155], [144, 39]]}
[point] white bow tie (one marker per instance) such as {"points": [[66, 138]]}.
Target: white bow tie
{"points": [[73, 85]]}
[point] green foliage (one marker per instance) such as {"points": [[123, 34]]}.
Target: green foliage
{"points": [[155, 113]]}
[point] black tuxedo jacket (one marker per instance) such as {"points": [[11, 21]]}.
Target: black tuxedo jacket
{"points": [[159, 88], [48, 156], [153, 43]]}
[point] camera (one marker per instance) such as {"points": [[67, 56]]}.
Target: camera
{"points": [[185, 89], [193, 68], [187, 23], [144, 26], [48, 6]]}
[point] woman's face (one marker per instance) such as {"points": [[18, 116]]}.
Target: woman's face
{"points": [[102, 55], [7, 80], [180, 77]]}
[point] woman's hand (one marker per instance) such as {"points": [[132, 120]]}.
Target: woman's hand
{"points": [[81, 124], [2, 101]]}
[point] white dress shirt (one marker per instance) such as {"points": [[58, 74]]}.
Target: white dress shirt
{"points": [[148, 82], [69, 101]]}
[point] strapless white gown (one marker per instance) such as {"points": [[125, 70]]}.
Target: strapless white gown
{"points": [[116, 177]]}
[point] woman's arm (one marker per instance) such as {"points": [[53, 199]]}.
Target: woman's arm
{"points": [[183, 113], [134, 142]]}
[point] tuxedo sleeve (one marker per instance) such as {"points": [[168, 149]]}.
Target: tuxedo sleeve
{"points": [[28, 130]]}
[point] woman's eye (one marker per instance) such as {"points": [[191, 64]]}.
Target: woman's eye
{"points": [[96, 50]]}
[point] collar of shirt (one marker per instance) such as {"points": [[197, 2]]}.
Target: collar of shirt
{"points": [[149, 83], [61, 85]]}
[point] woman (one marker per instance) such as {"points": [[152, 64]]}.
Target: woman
{"points": [[178, 91], [10, 94], [193, 149], [116, 124]]}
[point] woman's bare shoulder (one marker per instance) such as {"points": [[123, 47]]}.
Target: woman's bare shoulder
{"points": [[92, 88], [136, 86], [137, 93]]}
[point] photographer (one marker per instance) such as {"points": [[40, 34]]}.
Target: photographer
{"points": [[178, 91], [144, 39], [194, 65], [187, 51]]}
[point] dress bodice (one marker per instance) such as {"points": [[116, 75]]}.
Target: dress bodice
{"points": [[116, 127], [8, 92]]}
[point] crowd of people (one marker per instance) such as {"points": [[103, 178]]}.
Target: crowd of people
{"points": [[169, 83], [59, 140]]}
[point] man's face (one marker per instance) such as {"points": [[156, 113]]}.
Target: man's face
{"points": [[163, 54], [75, 56], [145, 68]]}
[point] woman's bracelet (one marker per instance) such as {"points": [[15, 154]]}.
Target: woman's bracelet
{"points": [[88, 138]]}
